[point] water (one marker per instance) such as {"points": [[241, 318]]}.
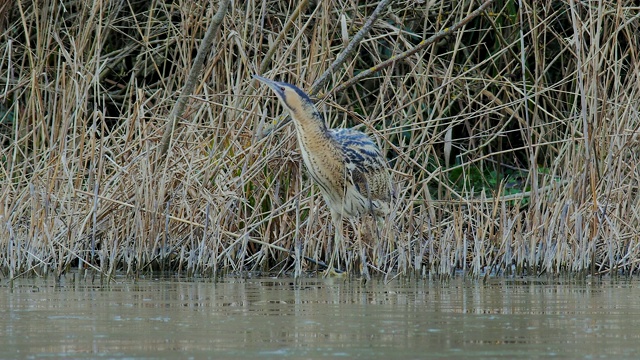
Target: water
{"points": [[318, 318]]}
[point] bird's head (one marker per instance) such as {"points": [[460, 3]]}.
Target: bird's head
{"points": [[295, 100]]}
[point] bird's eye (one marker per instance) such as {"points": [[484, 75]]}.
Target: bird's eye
{"points": [[282, 88]]}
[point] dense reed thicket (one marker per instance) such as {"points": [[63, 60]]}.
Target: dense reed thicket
{"points": [[513, 141]]}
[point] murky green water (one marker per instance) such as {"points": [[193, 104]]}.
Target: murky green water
{"points": [[274, 318]]}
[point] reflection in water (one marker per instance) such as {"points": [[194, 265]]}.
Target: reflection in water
{"points": [[275, 318]]}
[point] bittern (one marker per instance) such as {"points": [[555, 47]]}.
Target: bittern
{"points": [[346, 164]]}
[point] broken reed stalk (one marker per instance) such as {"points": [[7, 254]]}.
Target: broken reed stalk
{"points": [[423, 44], [349, 49], [194, 72], [266, 60], [340, 59]]}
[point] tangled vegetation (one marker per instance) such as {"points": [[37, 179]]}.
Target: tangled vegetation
{"points": [[513, 140]]}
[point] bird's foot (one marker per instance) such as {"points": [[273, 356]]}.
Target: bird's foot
{"points": [[332, 272]]}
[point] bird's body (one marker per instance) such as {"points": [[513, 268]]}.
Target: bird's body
{"points": [[364, 184], [346, 164]]}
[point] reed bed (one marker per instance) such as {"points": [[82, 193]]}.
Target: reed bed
{"points": [[513, 141]]}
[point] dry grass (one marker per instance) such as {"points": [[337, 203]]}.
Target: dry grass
{"points": [[513, 142]]}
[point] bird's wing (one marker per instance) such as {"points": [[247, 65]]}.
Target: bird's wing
{"points": [[366, 166]]}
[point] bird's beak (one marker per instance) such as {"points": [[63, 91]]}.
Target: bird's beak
{"points": [[270, 83], [281, 120]]}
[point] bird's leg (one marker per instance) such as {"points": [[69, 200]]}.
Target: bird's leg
{"points": [[364, 267], [363, 263], [337, 241], [379, 253]]}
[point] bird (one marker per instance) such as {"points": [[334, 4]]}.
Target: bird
{"points": [[346, 164]]}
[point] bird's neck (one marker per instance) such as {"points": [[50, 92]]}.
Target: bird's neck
{"points": [[312, 124]]}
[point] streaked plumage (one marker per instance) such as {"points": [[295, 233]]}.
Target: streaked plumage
{"points": [[346, 164], [366, 173]]}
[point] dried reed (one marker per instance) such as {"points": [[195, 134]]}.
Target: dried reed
{"points": [[513, 141]]}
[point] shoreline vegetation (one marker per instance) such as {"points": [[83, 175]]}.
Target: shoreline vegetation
{"points": [[513, 140]]}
